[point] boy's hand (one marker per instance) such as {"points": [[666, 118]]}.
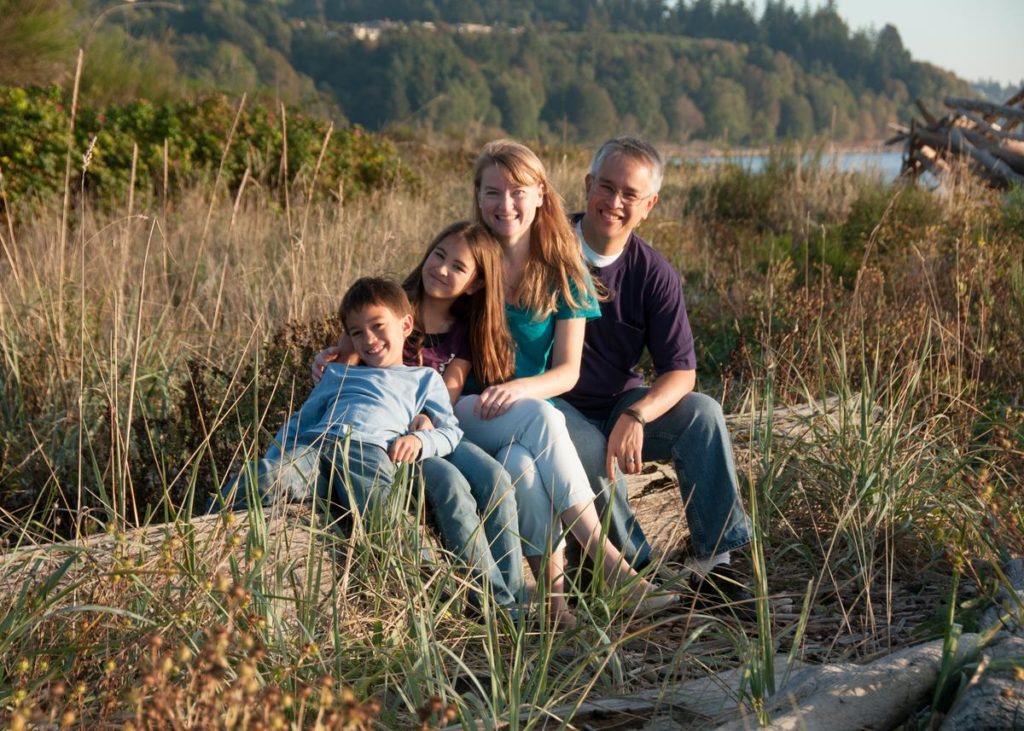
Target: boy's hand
{"points": [[421, 422], [330, 354], [405, 449]]}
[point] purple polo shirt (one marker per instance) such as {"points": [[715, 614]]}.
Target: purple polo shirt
{"points": [[646, 309]]}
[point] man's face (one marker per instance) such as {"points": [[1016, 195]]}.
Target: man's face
{"points": [[378, 335], [619, 196]]}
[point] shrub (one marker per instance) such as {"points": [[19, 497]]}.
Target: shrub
{"points": [[33, 147]]}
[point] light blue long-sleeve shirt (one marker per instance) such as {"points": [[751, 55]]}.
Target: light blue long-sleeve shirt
{"points": [[373, 405]]}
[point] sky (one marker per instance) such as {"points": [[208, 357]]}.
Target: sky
{"points": [[977, 39]]}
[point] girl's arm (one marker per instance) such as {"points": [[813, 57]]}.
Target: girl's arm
{"points": [[343, 352], [566, 354], [455, 376]]}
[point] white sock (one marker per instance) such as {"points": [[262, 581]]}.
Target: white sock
{"points": [[701, 566]]}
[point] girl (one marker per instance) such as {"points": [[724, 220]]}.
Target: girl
{"points": [[549, 297], [456, 293]]}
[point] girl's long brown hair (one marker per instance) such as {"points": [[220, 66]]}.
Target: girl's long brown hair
{"points": [[555, 259], [493, 356]]}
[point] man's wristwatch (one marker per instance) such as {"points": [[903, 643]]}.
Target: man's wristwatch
{"points": [[635, 415]]}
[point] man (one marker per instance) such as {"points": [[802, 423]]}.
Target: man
{"points": [[615, 421]]}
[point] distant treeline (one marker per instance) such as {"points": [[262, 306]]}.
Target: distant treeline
{"points": [[569, 70]]}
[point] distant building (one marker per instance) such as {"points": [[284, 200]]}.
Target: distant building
{"points": [[472, 28], [371, 30]]}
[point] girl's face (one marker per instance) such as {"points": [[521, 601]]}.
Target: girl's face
{"points": [[450, 270], [508, 208]]}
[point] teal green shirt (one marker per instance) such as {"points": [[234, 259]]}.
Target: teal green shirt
{"points": [[534, 339]]}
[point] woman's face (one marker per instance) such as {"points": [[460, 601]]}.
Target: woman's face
{"points": [[450, 270], [508, 209]]}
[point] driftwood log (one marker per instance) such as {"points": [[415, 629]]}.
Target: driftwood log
{"points": [[994, 696], [287, 525], [976, 133]]}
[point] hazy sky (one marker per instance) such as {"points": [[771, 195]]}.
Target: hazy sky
{"points": [[978, 39]]}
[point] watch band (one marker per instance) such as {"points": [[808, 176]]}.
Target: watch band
{"points": [[635, 415]]}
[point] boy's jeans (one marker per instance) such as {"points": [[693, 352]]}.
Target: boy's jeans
{"points": [[293, 476], [359, 472], [459, 489], [304, 470], [693, 435]]}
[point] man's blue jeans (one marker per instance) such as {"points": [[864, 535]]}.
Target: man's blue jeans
{"points": [[473, 504], [693, 435]]}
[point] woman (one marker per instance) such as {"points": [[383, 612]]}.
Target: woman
{"points": [[549, 297]]}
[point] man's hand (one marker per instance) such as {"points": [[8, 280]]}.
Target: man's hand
{"points": [[405, 449], [625, 447], [421, 422], [496, 400], [330, 354]]}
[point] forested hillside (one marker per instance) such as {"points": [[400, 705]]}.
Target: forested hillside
{"points": [[541, 69]]}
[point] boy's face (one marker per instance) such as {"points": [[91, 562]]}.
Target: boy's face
{"points": [[378, 335]]}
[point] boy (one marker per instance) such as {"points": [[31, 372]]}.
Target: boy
{"points": [[352, 430]]}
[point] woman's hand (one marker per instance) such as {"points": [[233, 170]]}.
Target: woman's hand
{"points": [[496, 400], [331, 354], [405, 450]]}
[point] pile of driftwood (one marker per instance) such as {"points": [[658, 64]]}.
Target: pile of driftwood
{"points": [[987, 137]]}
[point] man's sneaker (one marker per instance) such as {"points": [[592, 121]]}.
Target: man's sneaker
{"points": [[722, 588]]}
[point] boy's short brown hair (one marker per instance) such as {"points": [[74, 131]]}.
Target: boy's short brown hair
{"points": [[368, 291]]}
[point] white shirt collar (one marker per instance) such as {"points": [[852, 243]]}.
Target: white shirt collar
{"points": [[593, 258]]}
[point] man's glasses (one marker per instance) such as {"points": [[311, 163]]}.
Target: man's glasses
{"points": [[628, 197]]}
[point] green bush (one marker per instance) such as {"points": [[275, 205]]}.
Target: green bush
{"points": [[33, 147]]}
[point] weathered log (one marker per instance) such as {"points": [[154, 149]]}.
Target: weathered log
{"points": [[796, 422], [1012, 101], [1007, 155], [994, 697], [928, 116], [704, 698], [930, 161], [985, 127], [290, 535], [954, 140], [881, 694], [994, 164], [988, 108]]}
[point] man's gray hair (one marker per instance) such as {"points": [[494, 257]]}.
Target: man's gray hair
{"points": [[636, 149]]}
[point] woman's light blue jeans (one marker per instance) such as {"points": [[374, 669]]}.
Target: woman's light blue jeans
{"points": [[531, 441]]}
